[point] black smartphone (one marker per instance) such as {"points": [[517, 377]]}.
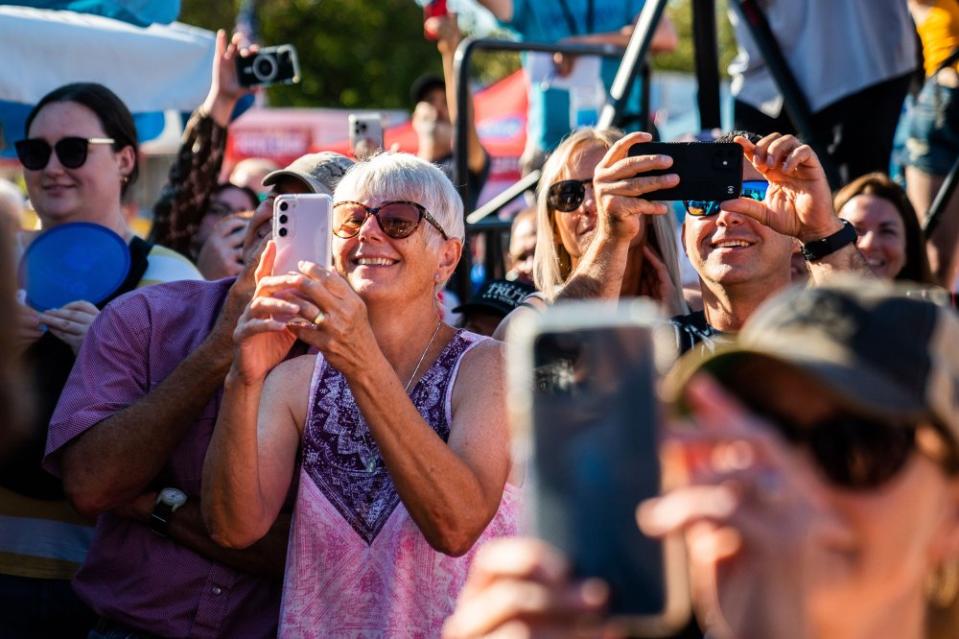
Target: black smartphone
{"points": [[270, 65], [711, 171], [585, 418]]}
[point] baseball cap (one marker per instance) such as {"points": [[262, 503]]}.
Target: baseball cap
{"points": [[872, 345], [499, 297], [320, 171]]}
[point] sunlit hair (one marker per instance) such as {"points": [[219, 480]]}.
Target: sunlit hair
{"points": [[552, 264], [916, 267], [401, 176]]}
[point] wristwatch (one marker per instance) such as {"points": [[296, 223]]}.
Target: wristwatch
{"points": [[818, 249], [168, 502]]}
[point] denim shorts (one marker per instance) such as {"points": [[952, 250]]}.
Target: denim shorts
{"points": [[932, 142]]}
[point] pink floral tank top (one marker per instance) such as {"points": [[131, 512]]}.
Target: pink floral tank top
{"points": [[357, 565]]}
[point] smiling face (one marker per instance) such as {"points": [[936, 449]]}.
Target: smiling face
{"points": [[728, 248], [381, 268], [89, 193], [575, 229], [882, 234]]}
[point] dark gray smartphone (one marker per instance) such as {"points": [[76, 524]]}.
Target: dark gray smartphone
{"points": [[270, 65], [586, 423], [711, 171]]}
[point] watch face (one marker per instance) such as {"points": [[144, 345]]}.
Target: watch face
{"points": [[173, 497]]}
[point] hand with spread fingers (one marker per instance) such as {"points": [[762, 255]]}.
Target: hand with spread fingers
{"points": [[71, 322], [619, 184], [759, 534], [522, 587], [799, 200]]}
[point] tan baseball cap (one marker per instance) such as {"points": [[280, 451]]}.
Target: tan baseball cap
{"points": [[320, 171]]}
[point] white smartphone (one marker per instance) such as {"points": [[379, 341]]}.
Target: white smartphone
{"points": [[366, 134], [301, 230], [585, 415]]}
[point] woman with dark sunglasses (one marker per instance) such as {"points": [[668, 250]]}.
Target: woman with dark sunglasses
{"points": [[79, 157], [814, 479], [575, 201], [398, 418]]}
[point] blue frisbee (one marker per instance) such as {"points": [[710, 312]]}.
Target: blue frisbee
{"points": [[76, 261]]}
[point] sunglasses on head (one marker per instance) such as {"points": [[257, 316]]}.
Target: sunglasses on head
{"points": [[34, 153], [567, 195], [753, 189], [397, 219]]}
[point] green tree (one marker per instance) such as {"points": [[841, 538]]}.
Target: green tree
{"points": [[353, 53], [682, 59]]}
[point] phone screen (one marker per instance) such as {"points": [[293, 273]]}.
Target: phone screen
{"points": [[595, 458]]}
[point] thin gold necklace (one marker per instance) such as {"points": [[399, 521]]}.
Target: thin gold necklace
{"points": [[423, 356]]}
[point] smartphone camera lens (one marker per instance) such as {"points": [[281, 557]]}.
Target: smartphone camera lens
{"points": [[282, 232], [283, 219], [284, 206]]}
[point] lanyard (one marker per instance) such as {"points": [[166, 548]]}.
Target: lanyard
{"points": [[571, 21]]}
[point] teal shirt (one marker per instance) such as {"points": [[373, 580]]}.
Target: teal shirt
{"points": [[545, 21]]}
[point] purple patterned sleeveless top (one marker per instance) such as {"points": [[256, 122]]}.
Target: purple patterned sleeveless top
{"points": [[358, 566], [339, 452]]}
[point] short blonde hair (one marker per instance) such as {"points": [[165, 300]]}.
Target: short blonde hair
{"points": [[552, 263]]}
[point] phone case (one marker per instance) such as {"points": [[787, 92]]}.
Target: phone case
{"points": [[707, 170], [584, 414], [301, 231], [369, 127]]}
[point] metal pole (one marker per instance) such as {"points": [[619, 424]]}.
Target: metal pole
{"points": [[636, 51], [795, 102], [706, 55], [938, 206], [525, 183]]}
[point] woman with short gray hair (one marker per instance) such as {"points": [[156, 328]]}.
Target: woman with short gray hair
{"points": [[398, 420]]}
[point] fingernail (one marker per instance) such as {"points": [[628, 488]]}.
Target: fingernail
{"points": [[593, 592]]}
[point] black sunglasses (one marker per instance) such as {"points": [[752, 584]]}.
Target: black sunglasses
{"points": [[567, 195], [753, 189], [853, 452], [397, 219], [34, 153]]}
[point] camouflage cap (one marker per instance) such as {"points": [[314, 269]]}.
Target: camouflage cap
{"points": [[876, 347], [320, 171]]}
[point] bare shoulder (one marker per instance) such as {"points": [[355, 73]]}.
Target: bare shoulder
{"points": [[289, 385], [481, 378], [486, 357], [532, 305]]}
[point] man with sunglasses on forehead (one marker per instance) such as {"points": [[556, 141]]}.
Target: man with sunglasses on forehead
{"points": [[742, 249], [129, 438]]}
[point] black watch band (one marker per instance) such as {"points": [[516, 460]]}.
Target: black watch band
{"points": [[818, 249]]}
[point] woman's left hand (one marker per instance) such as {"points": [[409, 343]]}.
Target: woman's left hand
{"points": [[71, 322], [799, 200], [342, 333]]}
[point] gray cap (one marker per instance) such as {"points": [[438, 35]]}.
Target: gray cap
{"points": [[320, 171]]}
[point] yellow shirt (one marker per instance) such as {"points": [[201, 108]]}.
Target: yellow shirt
{"points": [[939, 32]]}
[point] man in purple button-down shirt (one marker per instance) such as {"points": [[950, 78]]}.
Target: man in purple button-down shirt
{"points": [[136, 417]]}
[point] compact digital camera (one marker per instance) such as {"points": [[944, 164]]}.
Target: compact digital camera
{"points": [[270, 65]]}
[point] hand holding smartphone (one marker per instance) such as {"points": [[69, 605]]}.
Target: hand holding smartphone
{"points": [[585, 416], [366, 134], [711, 171], [301, 231]]}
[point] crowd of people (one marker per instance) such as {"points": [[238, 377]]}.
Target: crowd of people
{"points": [[215, 449]]}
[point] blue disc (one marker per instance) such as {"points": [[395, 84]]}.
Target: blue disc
{"points": [[75, 261]]}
